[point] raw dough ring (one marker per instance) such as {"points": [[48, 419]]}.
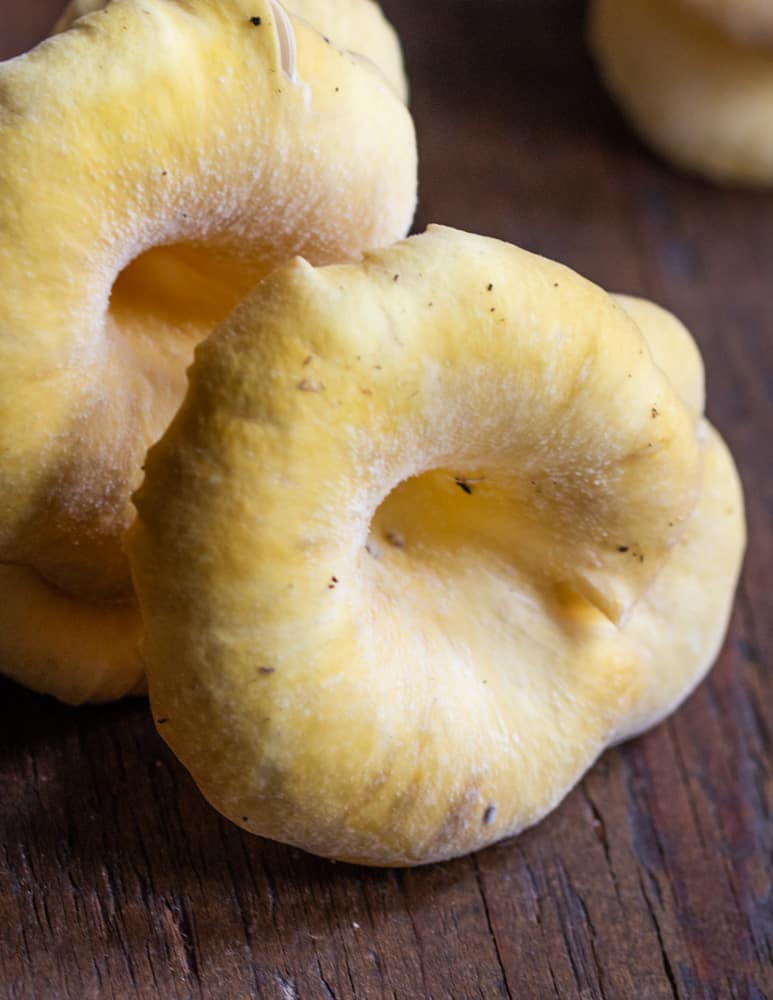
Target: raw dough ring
{"points": [[386, 551], [224, 137], [700, 98]]}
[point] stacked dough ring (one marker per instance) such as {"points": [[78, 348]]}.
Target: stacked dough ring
{"points": [[426, 535], [696, 79], [156, 160]]}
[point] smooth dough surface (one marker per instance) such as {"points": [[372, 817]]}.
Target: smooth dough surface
{"points": [[696, 95], [223, 138], [403, 554]]}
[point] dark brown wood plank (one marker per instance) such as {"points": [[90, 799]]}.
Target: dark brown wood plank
{"points": [[653, 879]]}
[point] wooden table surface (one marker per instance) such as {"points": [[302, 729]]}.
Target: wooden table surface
{"points": [[653, 878]]}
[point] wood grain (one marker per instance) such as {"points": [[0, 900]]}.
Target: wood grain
{"points": [[653, 879]]}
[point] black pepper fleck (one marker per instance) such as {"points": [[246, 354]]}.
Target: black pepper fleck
{"points": [[463, 484], [256, 21], [622, 548], [489, 814]]}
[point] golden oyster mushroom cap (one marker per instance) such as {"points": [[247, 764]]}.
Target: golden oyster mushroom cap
{"points": [[700, 98], [672, 348], [680, 622], [76, 9], [749, 21], [356, 25], [387, 550], [223, 138]]}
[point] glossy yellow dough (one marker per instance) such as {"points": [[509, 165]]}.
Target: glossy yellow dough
{"points": [[428, 533], [696, 94], [156, 160]]}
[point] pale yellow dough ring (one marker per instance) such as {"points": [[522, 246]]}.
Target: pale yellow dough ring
{"points": [[700, 98], [387, 550], [356, 25], [750, 21], [222, 147]]}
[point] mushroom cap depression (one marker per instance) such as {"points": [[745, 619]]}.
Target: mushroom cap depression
{"points": [[698, 96], [410, 551], [156, 160]]}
